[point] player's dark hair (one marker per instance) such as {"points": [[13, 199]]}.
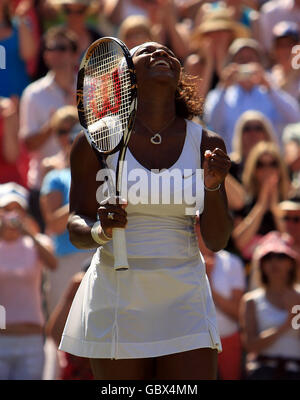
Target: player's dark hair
{"points": [[188, 103]]}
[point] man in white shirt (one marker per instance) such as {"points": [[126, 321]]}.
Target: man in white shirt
{"points": [[43, 97]]}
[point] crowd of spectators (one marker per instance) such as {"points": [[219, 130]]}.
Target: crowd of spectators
{"points": [[245, 55]]}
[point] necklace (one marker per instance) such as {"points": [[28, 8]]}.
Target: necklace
{"points": [[156, 137]]}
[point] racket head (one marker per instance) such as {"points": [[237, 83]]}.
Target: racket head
{"points": [[107, 94]]}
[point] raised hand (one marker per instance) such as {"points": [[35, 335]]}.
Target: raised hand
{"points": [[216, 166]]}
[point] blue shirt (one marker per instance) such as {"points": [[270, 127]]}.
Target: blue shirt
{"points": [[60, 181], [13, 74]]}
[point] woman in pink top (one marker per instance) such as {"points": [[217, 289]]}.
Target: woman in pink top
{"points": [[23, 253]]}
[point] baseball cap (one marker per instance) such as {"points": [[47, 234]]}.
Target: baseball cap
{"points": [[12, 192], [286, 28], [240, 43], [291, 132]]}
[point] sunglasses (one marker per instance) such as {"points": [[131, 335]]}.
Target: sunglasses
{"points": [[261, 164], [58, 47], [295, 219], [253, 127], [78, 11]]}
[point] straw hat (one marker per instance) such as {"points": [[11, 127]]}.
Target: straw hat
{"points": [[218, 20]]}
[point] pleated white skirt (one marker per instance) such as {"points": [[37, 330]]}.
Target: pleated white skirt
{"points": [[157, 307]]}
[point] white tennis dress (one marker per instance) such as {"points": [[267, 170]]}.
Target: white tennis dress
{"points": [[163, 303]]}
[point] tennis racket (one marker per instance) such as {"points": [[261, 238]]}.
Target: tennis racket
{"points": [[106, 103]]}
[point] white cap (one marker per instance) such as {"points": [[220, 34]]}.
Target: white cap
{"points": [[12, 192]]}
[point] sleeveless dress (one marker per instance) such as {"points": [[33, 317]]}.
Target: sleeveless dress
{"points": [[162, 304]]}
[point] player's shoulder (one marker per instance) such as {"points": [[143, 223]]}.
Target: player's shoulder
{"points": [[80, 145], [82, 155]]}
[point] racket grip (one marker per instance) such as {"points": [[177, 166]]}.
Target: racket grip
{"points": [[120, 251]]}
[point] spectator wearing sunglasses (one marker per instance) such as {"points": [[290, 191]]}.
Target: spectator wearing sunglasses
{"points": [[251, 128], [75, 14], [41, 99], [269, 337], [266, 182]]}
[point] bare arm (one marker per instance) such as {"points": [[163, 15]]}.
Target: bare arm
{"points": [[229, 306], [268, 199], [177, 33], [28, 43], [202, 66], [83, 202], [248, 227], [11, 145], [215, 221], [55, 215], [38, 139], [113, 11], [235, 192]]}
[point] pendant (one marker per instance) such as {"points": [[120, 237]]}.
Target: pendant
{"points": [[156, 139]]}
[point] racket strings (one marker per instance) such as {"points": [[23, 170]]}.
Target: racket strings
{"points": [[107, 96]]}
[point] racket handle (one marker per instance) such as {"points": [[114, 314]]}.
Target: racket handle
{"points": [[120, 251]]}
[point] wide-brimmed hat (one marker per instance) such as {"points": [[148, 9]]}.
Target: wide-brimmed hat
{"points": [[219, 20], [13, 193]]}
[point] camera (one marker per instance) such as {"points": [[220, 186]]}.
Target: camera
{"points": [[245, 71]]}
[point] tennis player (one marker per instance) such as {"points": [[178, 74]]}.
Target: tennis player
{"points": [[156, 319]]}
